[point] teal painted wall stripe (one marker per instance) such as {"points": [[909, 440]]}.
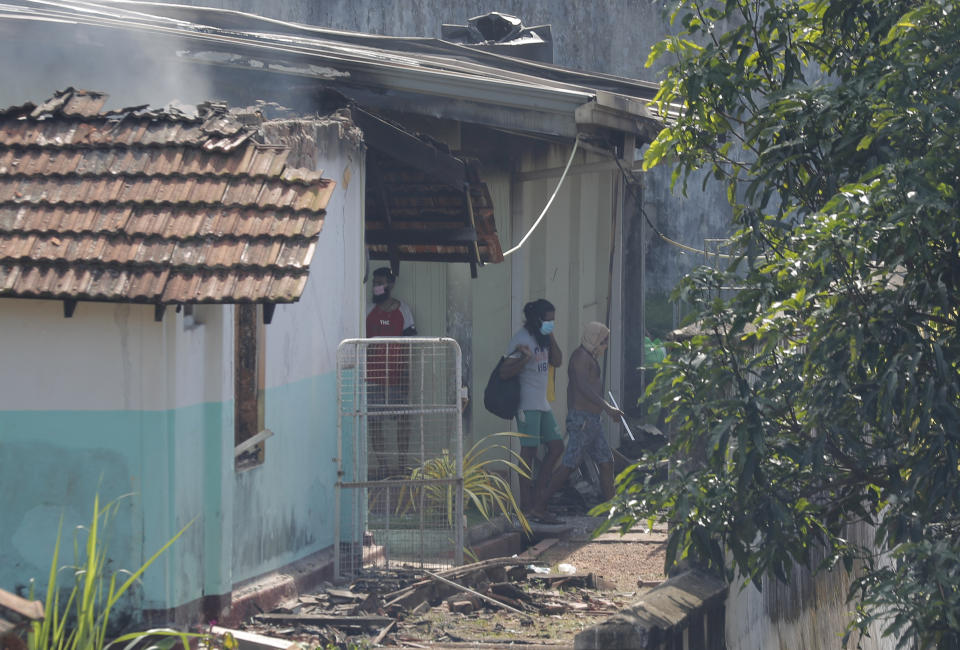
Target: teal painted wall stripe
{"points": [[283, 510], [178, 465], [57, 461]]}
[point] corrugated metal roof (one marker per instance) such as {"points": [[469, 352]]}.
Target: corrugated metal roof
{"points": [[150, 206], [461, 82]]}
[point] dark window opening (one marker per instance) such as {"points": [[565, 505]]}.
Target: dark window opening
{"points": [[249, 364]]}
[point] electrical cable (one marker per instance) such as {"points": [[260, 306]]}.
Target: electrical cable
{"points": [[543, 213], [628, 181]]}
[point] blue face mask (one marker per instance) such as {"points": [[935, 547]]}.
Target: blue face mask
{"points": [[546, 327]]}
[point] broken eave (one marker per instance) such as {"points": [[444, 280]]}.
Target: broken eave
{"points": [[610, 112], [518, 103], [406, 147], [423, 203]]}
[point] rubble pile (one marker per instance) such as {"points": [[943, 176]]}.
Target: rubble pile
{"points": [[509, 597]]}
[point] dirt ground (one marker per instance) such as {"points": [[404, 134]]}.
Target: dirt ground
{"points": [[555, 601], [631, 562]]}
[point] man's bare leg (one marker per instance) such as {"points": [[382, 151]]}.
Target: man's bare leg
{"points": [[554, 452], [528, 454], [560, 477], [545, 480], [606, 479]]}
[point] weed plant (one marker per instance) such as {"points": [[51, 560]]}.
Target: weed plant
{"points": [[81, 622]]}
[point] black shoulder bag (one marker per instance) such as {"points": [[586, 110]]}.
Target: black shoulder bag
{"points": [[502, 396]]}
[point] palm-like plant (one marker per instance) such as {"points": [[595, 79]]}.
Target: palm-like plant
{"points": [[489, 492]]}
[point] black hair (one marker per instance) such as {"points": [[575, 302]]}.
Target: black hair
{"points": [[386, 272], [533, 313]]}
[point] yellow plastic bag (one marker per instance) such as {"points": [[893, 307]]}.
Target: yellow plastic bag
{"points": [[552, 384]]}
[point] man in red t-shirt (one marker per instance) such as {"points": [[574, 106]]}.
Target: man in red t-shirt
{"points": [[388, 371]]}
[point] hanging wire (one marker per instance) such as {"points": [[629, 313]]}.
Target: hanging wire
{"points": [[556, 190], [628, 181], [629, 184]]}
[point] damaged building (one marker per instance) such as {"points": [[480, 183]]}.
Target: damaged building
{"points": [[185, 241]]}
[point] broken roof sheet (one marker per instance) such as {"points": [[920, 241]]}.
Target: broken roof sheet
{"points": [[461, 82], [150, 206], [423, 202], [412, 217]]}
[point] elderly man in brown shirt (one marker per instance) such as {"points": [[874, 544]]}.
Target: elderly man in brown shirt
{"points": [[585, 407]]}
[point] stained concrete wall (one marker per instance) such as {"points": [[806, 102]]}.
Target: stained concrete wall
{"points": [[110, 403], [282, 510], [810, 611]]}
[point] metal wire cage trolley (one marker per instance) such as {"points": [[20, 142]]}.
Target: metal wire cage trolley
{"points": [[399, 488]]}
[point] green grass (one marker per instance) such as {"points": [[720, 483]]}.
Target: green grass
{"points": [[81, 621]]}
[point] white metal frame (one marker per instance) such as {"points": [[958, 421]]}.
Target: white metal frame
{"points": [[352, 408]]}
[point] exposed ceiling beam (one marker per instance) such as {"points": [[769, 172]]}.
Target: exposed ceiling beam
{"points": [[425, 257], [432, 237], [409, 149]]}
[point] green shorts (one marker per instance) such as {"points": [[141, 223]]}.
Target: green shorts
{"points": [[539, 426]]}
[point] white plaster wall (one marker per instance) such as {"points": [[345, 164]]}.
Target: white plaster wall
{"points": [[199, 355], [107, 357], [303, 337], [491, 297]]}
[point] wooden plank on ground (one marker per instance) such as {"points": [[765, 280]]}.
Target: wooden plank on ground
{"points": [[32, 609], [537, 549], [327, 619], [564, 579], [452, 574], [383, 633]]}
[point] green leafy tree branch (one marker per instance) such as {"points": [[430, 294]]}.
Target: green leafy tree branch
{"points": [[824, 392]]}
